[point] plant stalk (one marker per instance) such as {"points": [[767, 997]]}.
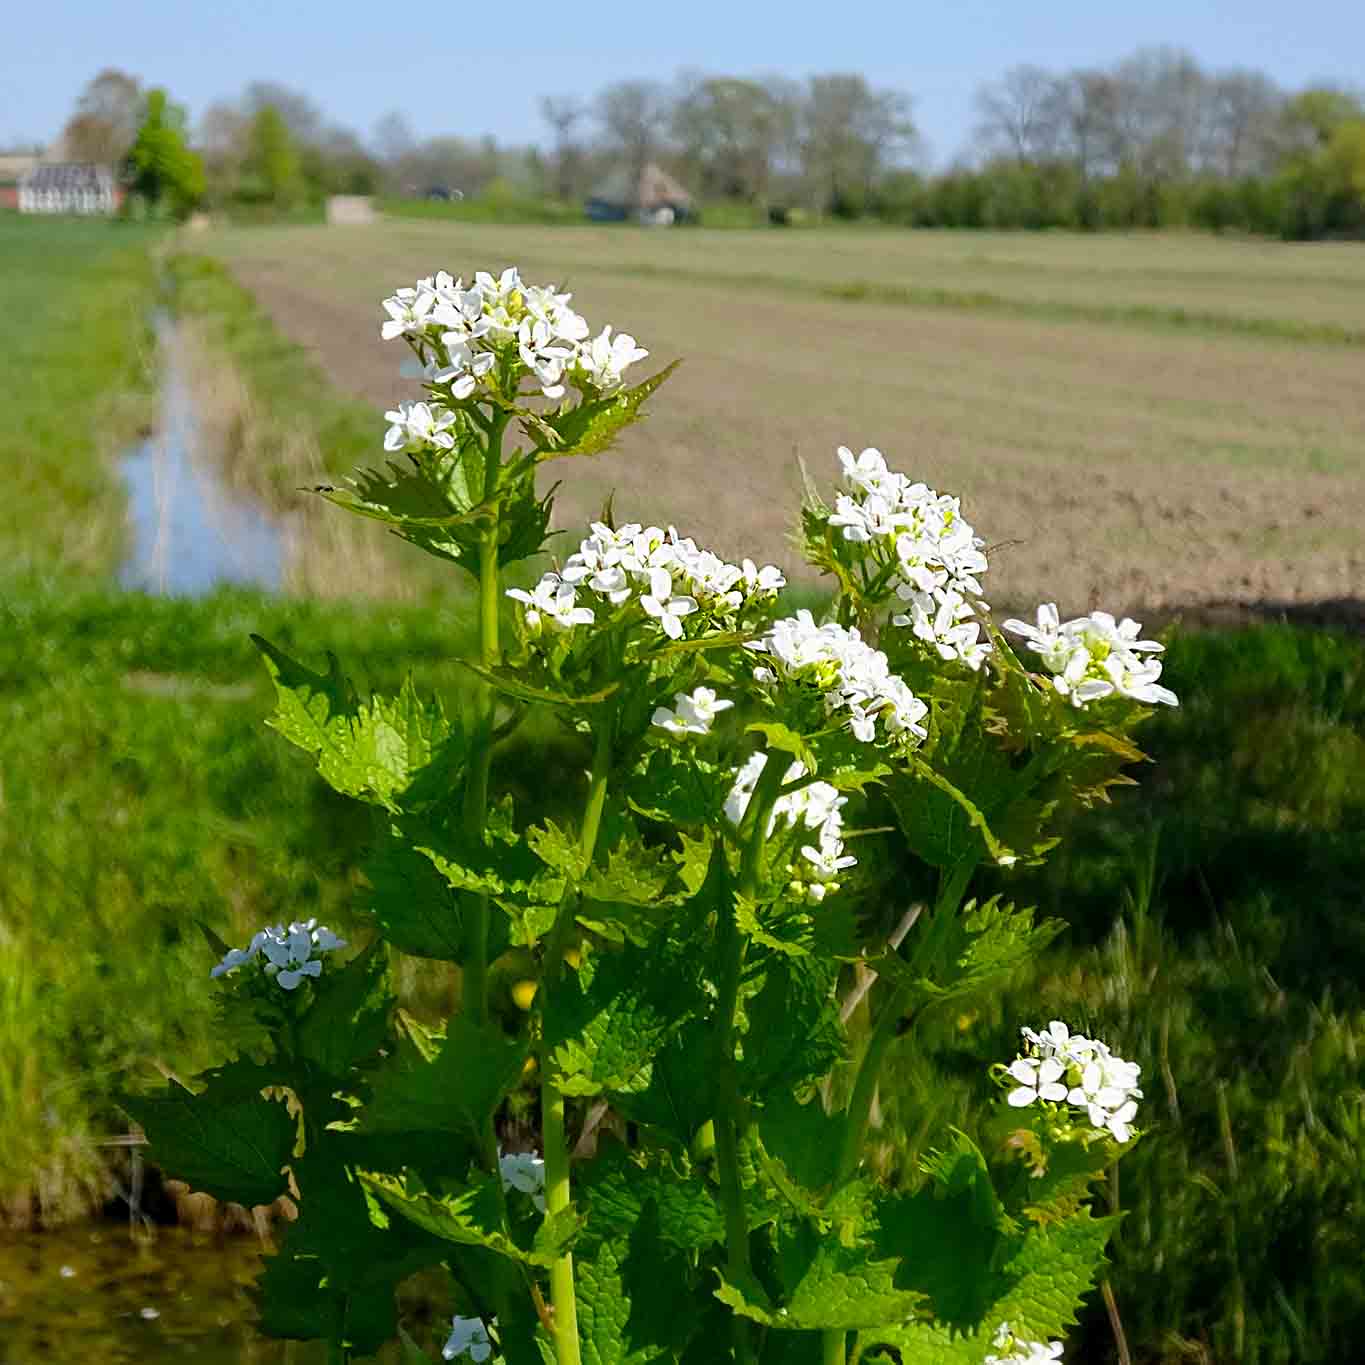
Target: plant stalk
{"points": [[558, 1190], [730, 1105], [474, 980]]}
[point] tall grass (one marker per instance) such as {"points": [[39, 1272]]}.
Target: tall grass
{"points": [[75, 346]]}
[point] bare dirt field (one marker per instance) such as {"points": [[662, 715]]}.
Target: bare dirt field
{"points": [[1113, 460]]}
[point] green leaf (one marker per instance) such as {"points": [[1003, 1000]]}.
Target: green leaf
{"points": [[803, 1138], [949, 1236], [593, 425], [616, 1188], [413, 903], [606, 1022], [784, 740], [960, 953], [429, 503], [1047, 1277], [232, 1148], [636, 1296], [510, 682], [373, 749], [942, 824], [459, 1090], [470, 1216], [826, 1282], [794, 1035], [348, 1020]]}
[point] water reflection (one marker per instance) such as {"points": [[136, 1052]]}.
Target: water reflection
{"points": [[190, 531], [101, 1294]]}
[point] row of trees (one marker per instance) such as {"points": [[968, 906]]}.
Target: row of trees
{"points": [[1154, 140]]}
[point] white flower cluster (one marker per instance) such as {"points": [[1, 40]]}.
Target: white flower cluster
{"points": [[1020, 1352], [464, 331], [1061, 1066], [817, 806], [938, 556], [857, 682], [288, 952], [692, 714], [468, 1337], [524, 1171], [667, 574], [1095, 656]]}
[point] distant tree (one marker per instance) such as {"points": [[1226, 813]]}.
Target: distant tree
{"points": [[850, 134], [1020, 115], [564, 113], [160, 169], [393, 139], [1245, 114], [106, 119], [729, 133], [633, 116], [272, 171], [1312, 117]]}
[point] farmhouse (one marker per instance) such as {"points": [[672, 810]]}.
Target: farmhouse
{"points": [[656, 197], [68, 187]]}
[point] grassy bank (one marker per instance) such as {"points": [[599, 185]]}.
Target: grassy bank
{"points": [[75, 350]]}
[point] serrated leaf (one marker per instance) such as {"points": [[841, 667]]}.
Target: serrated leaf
{"points": [[825, 1284], [592, 426], [960, 953], [458, 1090], [470, 1216], [231, 1147], [636, 1299], [794, 1035], [417, 909], [374, 749], [348, 1019], [1047, 1277], [558, 849], [803, 1138], [949, 1235], [604, 1024], [618, 1185]]}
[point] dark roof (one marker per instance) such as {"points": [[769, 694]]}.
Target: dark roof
{"points": [[69, 177]]}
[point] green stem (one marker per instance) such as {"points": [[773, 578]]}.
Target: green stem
{"points": [[558, 1189], [474, 982], [859, 1114], [730, 1108], [337, 1354], [883, 1034]]}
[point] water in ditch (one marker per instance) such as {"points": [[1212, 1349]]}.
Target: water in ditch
{"points": [[191, 531]]}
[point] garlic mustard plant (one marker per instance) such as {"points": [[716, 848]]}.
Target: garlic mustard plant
{"points": [[639, 1133]]}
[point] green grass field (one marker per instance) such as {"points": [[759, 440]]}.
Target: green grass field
{"points": [[1153, 422], [1214, 909]]}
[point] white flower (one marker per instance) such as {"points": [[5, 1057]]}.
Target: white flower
{"points": [[1019, 1351], [417, 426], [468, 1337], [766, 582], [815, 806], [854, 678], [1092, 657], [666, 608], [944, 619], [524, 1171], [1037, 1081], [1062, 1066], [408, 311], [288, 952], [693, 715], [604, 359], [544, 354], [554, 601]]}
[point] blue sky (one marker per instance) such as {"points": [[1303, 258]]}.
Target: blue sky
{"points": [[455, 68]]}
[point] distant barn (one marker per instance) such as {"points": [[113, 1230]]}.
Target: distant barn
{"points": [[656, 197], [68, 187]]}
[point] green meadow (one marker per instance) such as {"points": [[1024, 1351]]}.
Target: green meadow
{"points": [[1214, 909]]}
